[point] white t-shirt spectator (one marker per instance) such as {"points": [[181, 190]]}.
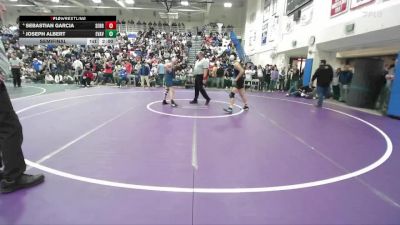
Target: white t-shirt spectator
{"points": [[154, 71], [259, 73], [65, 52], [77, 65], [248, 74], [15, 63], [161, 68], [335, 80], [137, 67], [49, 77], [58, 79], [167, 55]]}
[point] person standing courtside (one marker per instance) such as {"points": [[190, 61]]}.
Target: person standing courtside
{"points": [[324, 76], [345, 78], [201, 73], [220, 76], [161, 74], [294, 74], [144, 74], [16, 64], [12, 176]]}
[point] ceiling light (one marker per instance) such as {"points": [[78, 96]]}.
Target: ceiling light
{"points": [[185, 3], [227, 4], [56, 1], [129, 2], [97, 1], [120, 3], [13, 0]]}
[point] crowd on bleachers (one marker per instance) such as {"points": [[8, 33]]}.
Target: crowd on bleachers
{"points": [[140, 61], [173, 26], [129, 60]]}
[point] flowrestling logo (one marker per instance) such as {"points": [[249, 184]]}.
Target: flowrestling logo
{"points": [[358, 3], [68, 18]]}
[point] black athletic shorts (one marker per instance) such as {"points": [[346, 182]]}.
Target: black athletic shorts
{"points": [[16, 72], [240, 83]]}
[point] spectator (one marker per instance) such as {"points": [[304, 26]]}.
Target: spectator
{"points": [[37, 66], [335, 84], [220, 76], [267, 77], [108, 72], [304, 92], [324, 76], [161, 73], [49, 79], [282, 76], [144, 74], [123, 76], [345, 78], [58, 79], [77, 65], [274, 78], [260, 76], [294, 74], [87, 76], [386, 86]]}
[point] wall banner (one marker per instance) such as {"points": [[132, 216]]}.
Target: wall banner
{"points": [[338, 7]]}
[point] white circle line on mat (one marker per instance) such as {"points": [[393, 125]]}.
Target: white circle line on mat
{"points": [[380, 161], [29, 96], [194, 117]]}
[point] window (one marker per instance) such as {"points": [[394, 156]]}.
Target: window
{"points": [[293, 5], [274, 7], [267, 9]]}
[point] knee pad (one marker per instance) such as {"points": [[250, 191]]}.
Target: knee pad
{"points": [[232, 95], [166, 90]]}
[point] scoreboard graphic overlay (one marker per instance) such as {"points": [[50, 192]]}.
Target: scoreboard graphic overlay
{"points": [[67, 30]]}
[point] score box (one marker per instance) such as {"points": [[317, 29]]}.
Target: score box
{"points": [[111, 33], [111, 25]]}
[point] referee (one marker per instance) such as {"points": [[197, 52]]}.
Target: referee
{"points": [[12, 174], [201, 72], [16, 64]]}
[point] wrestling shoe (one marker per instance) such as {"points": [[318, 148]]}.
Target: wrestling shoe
{"points": [[173, 104], [229, 110]]}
